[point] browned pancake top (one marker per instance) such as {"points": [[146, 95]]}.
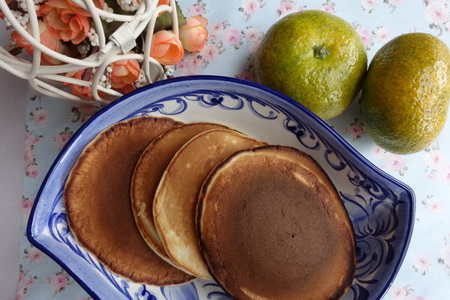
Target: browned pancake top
{"points": [[272, 226], [175, 203], [98, 204], [148, 173]]}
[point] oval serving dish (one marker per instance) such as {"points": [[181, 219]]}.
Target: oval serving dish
{"points": [[381, 208]]}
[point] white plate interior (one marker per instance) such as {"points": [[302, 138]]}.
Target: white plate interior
{"points": [[381, 208]]}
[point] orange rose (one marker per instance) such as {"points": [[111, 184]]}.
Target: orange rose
{"points": [[46, 39], [166, 48], [66, 20], [2, 16], [124, 74], [79, 90], [193, 34], [202, 20]]}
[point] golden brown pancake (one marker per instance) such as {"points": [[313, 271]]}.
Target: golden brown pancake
{"points": [[148, 172], [97, 200], [272, 226], [174, 207]]}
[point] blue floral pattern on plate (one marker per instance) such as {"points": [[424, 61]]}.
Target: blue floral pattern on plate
{"points": [[380, 207]]}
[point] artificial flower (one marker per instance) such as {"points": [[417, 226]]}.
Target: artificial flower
{"points": [[202, 20], [124, 73], [46, 39], [79, 90], [66, 20], [193, 34], [166, 48], [2, 16]]}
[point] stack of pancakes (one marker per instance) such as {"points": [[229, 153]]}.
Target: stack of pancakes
{"points": [[161, 203]]}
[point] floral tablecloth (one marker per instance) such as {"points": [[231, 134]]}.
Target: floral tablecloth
{"points": [[235, 30]]}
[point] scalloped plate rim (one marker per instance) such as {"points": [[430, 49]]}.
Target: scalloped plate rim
{"points": [[351, 150]]}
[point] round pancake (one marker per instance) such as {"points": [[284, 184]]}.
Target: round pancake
{"points": [[175, 202], [272, 226], [97, 200], [148, 172]]}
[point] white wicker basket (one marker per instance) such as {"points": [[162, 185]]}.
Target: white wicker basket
{"points": [[48, 80]]}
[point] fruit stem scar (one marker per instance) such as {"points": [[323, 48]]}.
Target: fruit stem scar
{"points": [[320, 52]]}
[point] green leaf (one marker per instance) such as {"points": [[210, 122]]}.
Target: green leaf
{"points": [[164, 21]]}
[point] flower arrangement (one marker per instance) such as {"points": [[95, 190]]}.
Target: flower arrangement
{"points": [[86, 50]]}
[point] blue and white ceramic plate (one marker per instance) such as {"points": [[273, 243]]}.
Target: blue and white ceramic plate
{"points": [[380, 207]]}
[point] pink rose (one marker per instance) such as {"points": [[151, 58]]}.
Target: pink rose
{"points": [[287, 7], [396, 162], [327, 8], [398, 293], [28, 156], [433, 204], [354, 131], [32, 171], [195, 63], [58, 282], [216, 30], [197, 10], [193, 35], [183, 68], [46, 39], [253, 34], [210, 52], [27, 204], [366, 36], [40, 116], [383, 34], [421, 264], [434, 159], [61, 140], [232, 36], [437, 13], [250, 7], [35, 255], [66, 20], [166, 48], [124, 73], [369, 4], [190, 65]]}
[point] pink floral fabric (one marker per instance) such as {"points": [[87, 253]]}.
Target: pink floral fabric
{"points": [[236, 28]]}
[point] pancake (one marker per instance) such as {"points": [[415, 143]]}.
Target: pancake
{"points": [[272, 226], [148, 172], [175, 202], [97, 200]]}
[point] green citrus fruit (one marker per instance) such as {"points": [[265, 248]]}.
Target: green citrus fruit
{"points": [[405, 94], [314, 57]]}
